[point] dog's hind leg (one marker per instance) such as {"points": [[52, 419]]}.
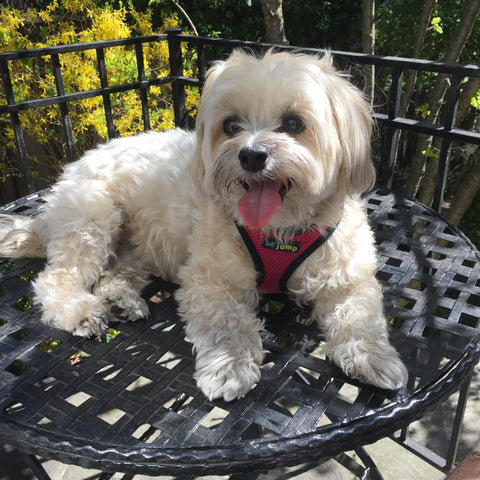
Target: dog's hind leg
{"points": [[67, 304], [82, 225], [120, 287]]}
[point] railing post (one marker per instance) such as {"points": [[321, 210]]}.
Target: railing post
{"points": [[445, 150], [391, 134], [201, 65], [67, 124], [17, 128], [107, 104], [176, 72], [143, 89]]}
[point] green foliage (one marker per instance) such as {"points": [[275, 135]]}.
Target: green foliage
{"points": [[225, 18], [111, 334], [432, 153], [330, 24], [397, 23], [28, 275], [314, 24], [71, 21], [423, 110], [48, 345], [7, 266], [23, 303], [476, 100], [436, 24]]}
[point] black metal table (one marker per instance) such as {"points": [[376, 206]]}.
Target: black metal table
{"points": [[128, 402]]}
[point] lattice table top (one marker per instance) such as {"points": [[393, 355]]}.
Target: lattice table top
{"points": [[128, 401]]}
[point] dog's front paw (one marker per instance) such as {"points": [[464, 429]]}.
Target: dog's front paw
{"points": [[229, 381], [228, 374], [369, 362]]}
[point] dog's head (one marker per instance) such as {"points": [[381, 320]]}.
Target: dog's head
{"points": [[279, 136]]}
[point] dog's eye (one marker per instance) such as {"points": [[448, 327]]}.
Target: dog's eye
{"points": [[231, 126], [292, 125]]}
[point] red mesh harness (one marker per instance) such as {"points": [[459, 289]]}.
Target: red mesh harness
{"points": [[275, 260]]}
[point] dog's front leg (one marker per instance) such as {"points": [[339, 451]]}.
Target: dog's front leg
{"points": [[222, 325], [357, 337]]}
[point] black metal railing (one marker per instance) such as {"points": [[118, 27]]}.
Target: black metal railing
{"points": [[63, 99], [386, 115]]}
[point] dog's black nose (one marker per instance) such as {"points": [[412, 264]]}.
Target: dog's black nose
{"points": [[253, 158]]}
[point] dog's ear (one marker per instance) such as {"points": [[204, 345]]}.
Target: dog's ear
{"points": [[198, 167], [355, 128], [353, 122]]}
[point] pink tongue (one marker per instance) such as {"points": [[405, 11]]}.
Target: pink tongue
{"points": [[260, 203]]}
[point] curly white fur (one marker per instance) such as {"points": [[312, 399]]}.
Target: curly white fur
{"points": [[165, 204]]}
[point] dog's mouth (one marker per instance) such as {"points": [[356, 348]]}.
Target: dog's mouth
{"points": [[262, 200]]}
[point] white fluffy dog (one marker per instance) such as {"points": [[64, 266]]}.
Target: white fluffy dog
{"points": [[280, 157]]}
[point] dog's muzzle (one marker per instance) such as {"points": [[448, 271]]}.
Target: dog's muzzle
{"points": [[263, 194]]}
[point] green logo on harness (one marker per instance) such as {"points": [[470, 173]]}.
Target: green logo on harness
{"points": [[273, 244]]}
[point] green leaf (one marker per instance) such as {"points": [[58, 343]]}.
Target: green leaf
{"points": [[475, 102], [436, 24], [431, 152], [423, 110]]}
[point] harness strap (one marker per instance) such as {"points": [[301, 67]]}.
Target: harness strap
{"points": [[276, 259]]}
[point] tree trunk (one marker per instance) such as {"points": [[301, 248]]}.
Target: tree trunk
{"points": [[411, 76], [428, 185], [465, 192], [470, 184], [435, 100], [368, 45], [274, 22], [465, 102]]}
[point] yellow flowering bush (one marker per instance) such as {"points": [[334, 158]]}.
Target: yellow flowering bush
{"points": [[74, 21]]}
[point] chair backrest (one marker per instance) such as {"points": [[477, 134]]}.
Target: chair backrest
{"points": [[386, 112]]}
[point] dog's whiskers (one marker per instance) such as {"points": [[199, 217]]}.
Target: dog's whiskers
{"points": [[229, 182]]}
